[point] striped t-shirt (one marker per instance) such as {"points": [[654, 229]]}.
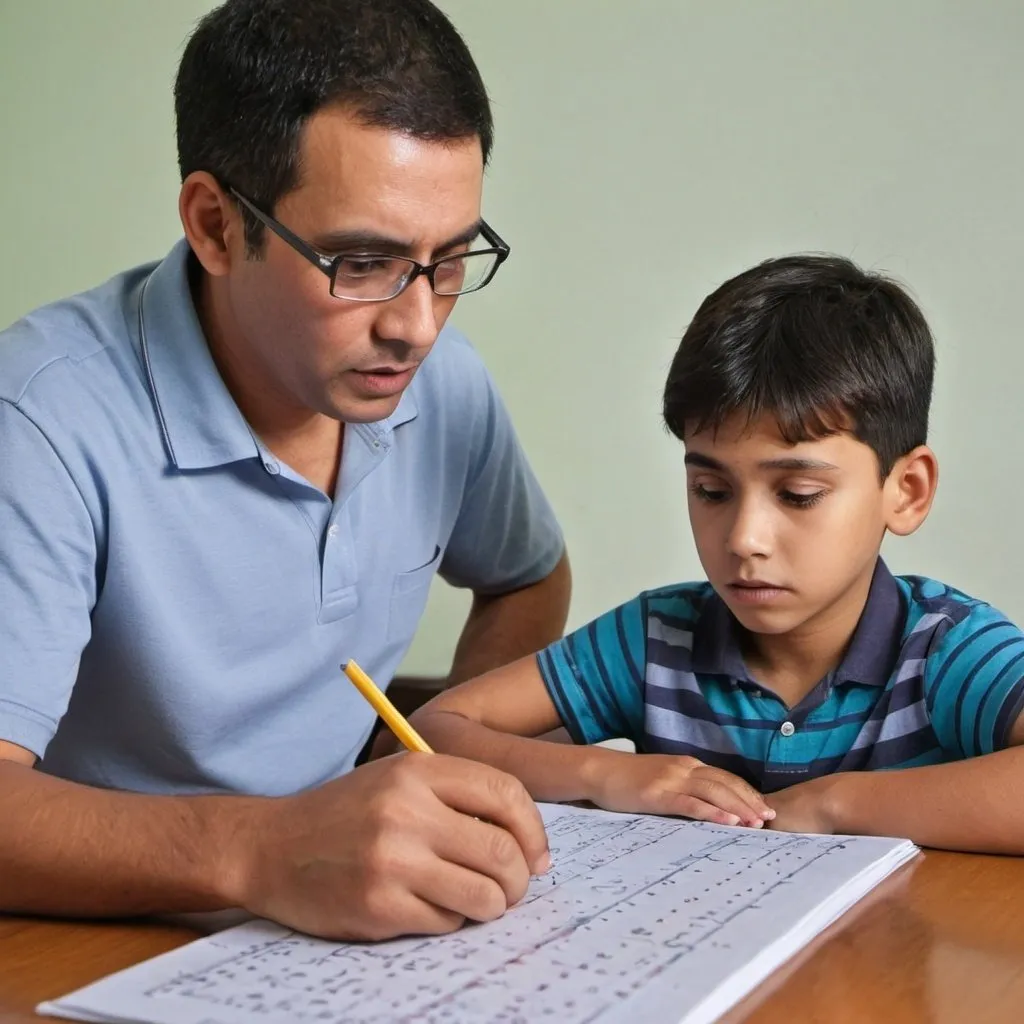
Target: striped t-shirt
{"points": [[930, 675]]}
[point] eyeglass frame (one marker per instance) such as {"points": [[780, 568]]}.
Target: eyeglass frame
{"points": [[329, 264]]}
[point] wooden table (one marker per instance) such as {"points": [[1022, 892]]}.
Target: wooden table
{"points": [[941, 941]]}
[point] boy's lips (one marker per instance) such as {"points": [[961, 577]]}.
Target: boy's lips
{"points": [[755, 591]]}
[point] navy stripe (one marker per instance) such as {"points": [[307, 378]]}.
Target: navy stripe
{"points": [[962, 692], [679, 659], [904, 693], [606, 681], [1008, 713], [634, 669], [561, 702], [980, 713], [685, 702], [892, 752]]}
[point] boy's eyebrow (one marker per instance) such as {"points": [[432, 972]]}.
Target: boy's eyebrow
{"points": [[797, 464], [704, 461], [370, 241], [707, 462]]}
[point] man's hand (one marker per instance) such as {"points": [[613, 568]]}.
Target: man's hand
{"points": [[806, 807], [670, 784], [416, 843]]}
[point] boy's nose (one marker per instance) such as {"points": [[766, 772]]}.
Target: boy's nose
{"points": [[750, 536]]}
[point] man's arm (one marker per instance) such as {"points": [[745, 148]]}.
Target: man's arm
{"points": [[504, 627], [414, 844], [975, 805]]}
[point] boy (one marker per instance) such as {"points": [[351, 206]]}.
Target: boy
{"points": [[771, 693]]}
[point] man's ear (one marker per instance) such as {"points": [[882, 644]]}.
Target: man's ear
{"points": [[212, 222], [909, 490]]}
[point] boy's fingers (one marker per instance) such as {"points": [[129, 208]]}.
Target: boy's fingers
{"points": [[749, 794], [725, 797], [687, 806]]}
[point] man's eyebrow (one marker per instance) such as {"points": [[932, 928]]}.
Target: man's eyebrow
{"points": [[371, 241]]}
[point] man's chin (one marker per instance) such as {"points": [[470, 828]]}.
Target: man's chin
{"points": [[350, 408]]}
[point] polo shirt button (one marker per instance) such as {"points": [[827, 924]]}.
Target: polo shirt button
{"points": [[787, 728], [272, 468], [332, 530]]}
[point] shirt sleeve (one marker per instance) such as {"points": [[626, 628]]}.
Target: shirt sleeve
{"points": [[47, 582], [974, 683], [595, 676], [505, 535]]}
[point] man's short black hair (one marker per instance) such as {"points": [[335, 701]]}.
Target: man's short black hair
{"points": [[254, 71], [815, 342]]}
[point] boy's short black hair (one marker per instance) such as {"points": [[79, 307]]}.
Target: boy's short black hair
{"points": [[254, 71], [815, 342]]}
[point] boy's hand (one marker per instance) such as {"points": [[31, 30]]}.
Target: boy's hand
{"points": [[678, 785], [805, 807]]}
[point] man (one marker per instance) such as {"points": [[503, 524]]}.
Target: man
{"points": [[223, 475]]}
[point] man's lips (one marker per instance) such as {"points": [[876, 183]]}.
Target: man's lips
{"points": [[383, 381]]}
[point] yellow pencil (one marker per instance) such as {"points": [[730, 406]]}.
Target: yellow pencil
{"points": [[393, 718]]}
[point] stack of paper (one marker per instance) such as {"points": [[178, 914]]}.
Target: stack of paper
{"points": [[642, 919]]}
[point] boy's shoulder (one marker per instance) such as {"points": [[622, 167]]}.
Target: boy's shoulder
{"points": [[676, 604], [946, 627], [933, 606]]}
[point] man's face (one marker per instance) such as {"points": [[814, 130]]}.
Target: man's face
{"points": [[352, 360], [784, 532]]}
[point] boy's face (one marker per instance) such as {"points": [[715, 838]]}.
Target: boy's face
{"points": [[788, 534]]}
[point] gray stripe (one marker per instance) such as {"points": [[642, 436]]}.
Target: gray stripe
{"points": [[929, 621], [904, 722], [658, 630], [668, 725], [896, 724], [911, 667], [671, 678]]}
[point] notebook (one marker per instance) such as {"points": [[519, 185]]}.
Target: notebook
{"points": [[642, 918]]}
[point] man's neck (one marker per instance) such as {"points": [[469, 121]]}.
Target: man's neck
{"points": [[307, 441]]}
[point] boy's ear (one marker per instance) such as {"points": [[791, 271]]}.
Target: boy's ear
{"points": [[910, 489]]}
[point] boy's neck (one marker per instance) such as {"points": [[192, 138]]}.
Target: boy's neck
{"points": [[792, 664]]}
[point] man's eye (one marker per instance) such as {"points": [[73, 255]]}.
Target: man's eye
{"points": [[357, 266]]}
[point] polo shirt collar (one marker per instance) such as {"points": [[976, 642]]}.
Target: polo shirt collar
{"points": [[868, 659], [202, 425]]}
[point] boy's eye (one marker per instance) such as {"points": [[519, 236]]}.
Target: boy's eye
{"points": [[802, 500], [711, 495]]}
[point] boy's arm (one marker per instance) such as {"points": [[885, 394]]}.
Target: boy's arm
{"points": [[975, 805], [496, 718]]}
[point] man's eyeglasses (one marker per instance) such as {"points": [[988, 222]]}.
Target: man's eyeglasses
{"points": [[377, 277]]}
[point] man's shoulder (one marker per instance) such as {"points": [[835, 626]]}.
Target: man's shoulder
{"points": [[48, 352]]}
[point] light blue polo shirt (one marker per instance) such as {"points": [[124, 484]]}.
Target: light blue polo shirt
{"points": [[174, 602]]}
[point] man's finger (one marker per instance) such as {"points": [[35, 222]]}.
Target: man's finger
{"points": [[485, 849], [484, 792]]}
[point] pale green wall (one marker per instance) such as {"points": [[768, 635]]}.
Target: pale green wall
{"points": [[646, 150]]}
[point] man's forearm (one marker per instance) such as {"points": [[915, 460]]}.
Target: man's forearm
{"points": [[71, 850], [973, 805], [501, 629]]}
